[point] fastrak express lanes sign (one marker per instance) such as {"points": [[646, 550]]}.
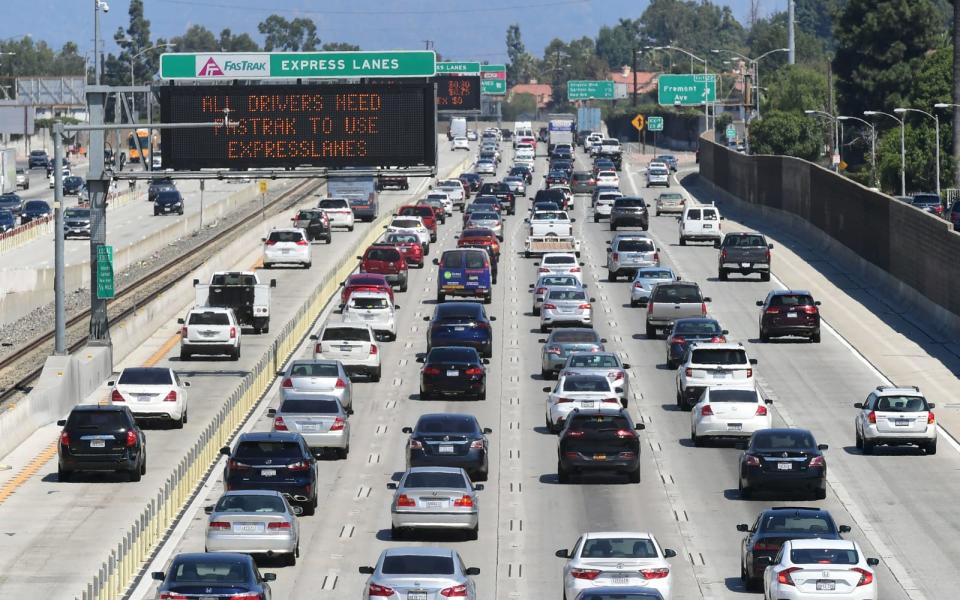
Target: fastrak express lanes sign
{"points": [[297, 65]]}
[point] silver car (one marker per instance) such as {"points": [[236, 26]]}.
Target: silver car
{"points": [[486, 220], [435, 498], [516, 184], [562, 343], [568, 306], [607, 364], [419, 573], [645, 280], [320, 419], [672, 202], [546, 282], [254, 522], [317, 376], [627, 254], [485, 167]]}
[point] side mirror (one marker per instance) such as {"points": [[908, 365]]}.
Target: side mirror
{"points": [[359, 258], [186, 384], [546, 389], [396, 307], [61, 422], [564, 553], [436, 261], [669, 553], [531, 286], [426, 318], [158, 575], [759, 302], [822, 446], [536, 264], [487, 430], [313, 337], [764, 561], [639, 426], [753, 361], [225, 451], [269, 576], [873, 561], [625, 366], [208, 510], [391, 485], [768, 401], [263, 239], [180, 321], [574, 220], [366, 570], [816, 303], [858, 405], [111, 383], [473, 570], [740, 445], [196, 282], [273, 283], [542, 341], [770, 246], [845, 529], [707, 299], [485, 361], [724, 332], [743, 527], [932, 405], [593, 299], [492, 318], [603, 340], [609, 250], [407, 430], [271, 412], [478, 487], [281, 373], [420, 359]]}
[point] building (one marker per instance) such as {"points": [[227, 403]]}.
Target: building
{"points": [[646, 81], [543, 92]]}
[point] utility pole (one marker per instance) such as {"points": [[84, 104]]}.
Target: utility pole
{"points": [[96, 42], [956, 94], [634, 67], [98, 183], [60, 319], [791, 33]]}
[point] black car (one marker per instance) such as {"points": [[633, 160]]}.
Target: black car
{"points": [[615, 159], [76, 222], [522, 171], [315, 222], [772, 528], [39, 159], [562, 153], [73, 185], [789, 312], [168, 202], [548, 195], [562, 164], [453, 371], [471, 181], [461, 324], [273, 461], [503, 194], [689, 330], [628, 211], [163, 184], [599, 440], [603, 164], [7, 221], [99, 437], [930, 203], [35, 209], [11, 202], [557, 177], [449, 440], [783, 459], [214, 575]]}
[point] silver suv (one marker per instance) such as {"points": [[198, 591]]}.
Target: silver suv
{"points": [[671, 301], [896, 416], [627, 254]]}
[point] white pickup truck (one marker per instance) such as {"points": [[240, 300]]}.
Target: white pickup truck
{"points": [[243, 292], [557, 222], [550, 231]]}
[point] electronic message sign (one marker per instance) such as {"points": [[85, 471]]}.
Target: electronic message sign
{"points": [[320, 125], [458, 92]]}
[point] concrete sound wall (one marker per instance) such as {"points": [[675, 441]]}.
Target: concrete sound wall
{"points": [[912, 251]]}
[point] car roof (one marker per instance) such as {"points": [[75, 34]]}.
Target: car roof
{"points": [[460, 307], [782, 430], [98, 408], [145, 369], [418, 551], [717, 346], [369, 294], [823, 543], [898, 391], [790, 293], [253, 493], [580, 330], [795, 509], [214, 309], [617, 534], [281, 229], [457, 470], [223, 557], [269, 436], [314, 361], [348, 325]]}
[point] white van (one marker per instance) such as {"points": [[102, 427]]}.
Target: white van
{"points": [[700, 223]]}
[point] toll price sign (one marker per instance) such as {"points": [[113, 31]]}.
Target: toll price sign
{"points": [[458, 92], [320, 125]]}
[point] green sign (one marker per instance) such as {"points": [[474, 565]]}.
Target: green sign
{"points": [[105, 272], [461, 68], [493, 79], [731, 132], [590, 90], [655, 123], [686, 90], [298, 65]]}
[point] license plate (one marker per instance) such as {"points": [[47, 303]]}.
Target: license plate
{"points": [[310, 427], [901, 422], [346, 348], [284, 251], [144, 398], [453, 373], [97, 444], [208, 333], [620, 579], [436, 504], [599, 457], [587, 403], [708, 226], [744, 265], [735, 426], [445, 449], [785, 466], [248, 528], [268, 472], [416, 596], [826, 586], [459, 328], [791, 315]]}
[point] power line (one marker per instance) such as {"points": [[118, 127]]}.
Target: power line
{"points": [[374, 12]]}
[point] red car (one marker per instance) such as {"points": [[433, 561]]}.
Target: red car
{"points": [[425, 212], [409, 245], [364, 282], [387, 261], [480, 238]]}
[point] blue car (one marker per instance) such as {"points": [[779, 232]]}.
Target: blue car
{"points": [[275, 461], [464, 272], [35, 209], [214, 575], [7, 221], [461, 324]]}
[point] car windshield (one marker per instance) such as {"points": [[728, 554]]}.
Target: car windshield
{"points": [[447, 424], [407, 223], [594, 361], [452, 354], [782, 440], [744, 241], [721, 395], [574, 337], [677, 294], [285, 236], [432, 479], [77, 213], [368, 303], [97, 420], [213, 572], [402, 238], [250, 503], [792, 522], [145, 376], [349, 334], [558, 281], [901, 404], [209, 317], [567, 295], [310, 406], [824, 556], [559, 260], [35, 205], [619, 548], [333, 204], [636, 246], [719, 356], [652, 274], [386, 254], [73, 180], [586, 384], [416, 564], [267, 449], [314, 369], [697, 328], [791, 300]]}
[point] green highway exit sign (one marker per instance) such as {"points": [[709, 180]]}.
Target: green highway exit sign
{"points": [[493, 79], [590, 90], [104, 272], [686, 90], [655, 123], [459, 68], [297, 65]]}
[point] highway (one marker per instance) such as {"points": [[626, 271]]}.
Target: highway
{"points": [[899, 503]]}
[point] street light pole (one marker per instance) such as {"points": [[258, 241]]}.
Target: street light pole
{"points": [[98, 5], [936, 125], [836, 131], [903, 151], [133, 62], [873, 146]]}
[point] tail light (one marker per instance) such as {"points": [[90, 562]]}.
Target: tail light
{"points": [[131, 438], [236, 465], [233, 333], [543, 270], [784, 576], [872, 417], [474, 371], [617, 375], [767, 254], [749, 373], [379, 591], [463, 501], [172, 596], [279, 425], [706, 411], [637, 284], [549, 306], [299, 466], [218, 525], [772, 310], [183, 331], [116, 396], [405, 500], [703, 309], [64, 438], [761, 411], [765, 547], [564, 400], [752, 461], [625, 434], [649, 307], [270, 242], [457, 591], [541, 290], [688, 372], [574, 270], [373, 349], [656, 257], [818, 461], [279, 525], [718, 339], [431, 371], [302, 242], [574, 434], [659, 573], [588, 574], [723, 254], [476, 445], [553, 350], [615, 256], [678, 339], [318, 349], [866, 577], [416, 445], [585, 306], [287, 382], [338, 424], [341, 384], [810, 309], [931, 419], [171, 396]]}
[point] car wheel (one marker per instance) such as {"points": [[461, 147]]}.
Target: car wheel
{"points": [[181, 212], [867, 446], [930, 448], [679, 400], [634, 476], [488, 299], [764, 336], [764, 276], [235, 355], [683, 241], [483, 394], [859, 440], [613, 226], [651, 332], [815, 338], [745, 491], [134, 474], [424, 394], [658, 213], [544, 329], [184, 355], [376, 375], [563, 476], [179, 423], [820, 494], [698, 441], [403, 286], [441, 297], [350, 228], [328, 239], [544, 374], [473, 534], [291, 559], [63, 474], [596, 218], [722, 274], [611, 275], [633, 303], [343, 453], [310, 508], [396, 533]]}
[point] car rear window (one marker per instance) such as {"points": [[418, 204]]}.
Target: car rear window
{"points": [[619, 548], [251, 503], [350, 334], [427, 479], [782, 440], [693, 214], [559, 260], [794, 523], [594, 361], [718, 395], [697, 328], [709, 214], [566, 337], [567, 295], [901, 404], [267, 449], [145, 376], [630, 202], [417, 210], [416, 564], [311, 406], [367, 279], [314, 369], [791, 300], [654, 274], [409, 223], [447, 424], [581, 176], [285, 236], [744, 241], [328, 203], [559, 281], [97, 420], [233, 279], [385, 254], [209, 318], [203, 572], [677, 293], [402, 238], [368, 303], [824, 556], [452, 354], [719, 356], [636, 246], [599, 422], [586, 384]]}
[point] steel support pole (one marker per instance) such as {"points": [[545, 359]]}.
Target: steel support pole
{"points": [[903, 160], [936, 121], [96, 42], [791, 33], [60, 319], [98, 184]]}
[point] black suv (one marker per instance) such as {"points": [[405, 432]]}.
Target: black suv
{"points": [[101, 438], [599, 440], [38, 159], [163, 184], [772, 528], [629, 212], [273, 461], [503, 194]]}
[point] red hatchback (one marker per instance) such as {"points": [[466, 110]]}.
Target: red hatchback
{"points": [[409, 245], [364, 282], [387, 261], [425, 212], [480, 238]]}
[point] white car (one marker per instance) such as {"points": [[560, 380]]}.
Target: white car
{"points": [[566, 305], [485, 167], [608, 178], [460, 143], [658, 176], [529, 162], [560, 263], [317, 376], [656, 164], [353, 344], [66, 173], [729, 411], [152, 393], [524, 154], [455, 190], [374, 309], [578, 391], [338, 211], [617, 559], [809, 569], [708, 364], [895, 416], [444, 199], [209, 330], [287, 246], [411, 224], [607, 364]]}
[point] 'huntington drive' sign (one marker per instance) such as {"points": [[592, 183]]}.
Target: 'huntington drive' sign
{"points": [[298, 65]]}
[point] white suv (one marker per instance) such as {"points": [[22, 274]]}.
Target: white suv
{"points": [[287, 246], [353, 344], [710, 364], [209, 330], [374, 309], [700, 223], [896, 416], [338, 211]]}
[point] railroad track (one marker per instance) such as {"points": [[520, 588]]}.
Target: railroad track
{"points": [[19, 369]]}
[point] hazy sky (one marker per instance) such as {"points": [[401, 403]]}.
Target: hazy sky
{"points": [[460, 29]]}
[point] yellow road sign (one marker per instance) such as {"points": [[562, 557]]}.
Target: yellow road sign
{"points": [[637, 122], [263, 186]]}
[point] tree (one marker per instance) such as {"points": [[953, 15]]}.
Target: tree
{"points": [[294, 35], [132, 42], [520, 64], [918, 143], [26, 57], [196, 39], [697, 26], [520, 107], [816, 17], [794, 88], [788, 134], [237, 43], [616, 44], [340, 47]]}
